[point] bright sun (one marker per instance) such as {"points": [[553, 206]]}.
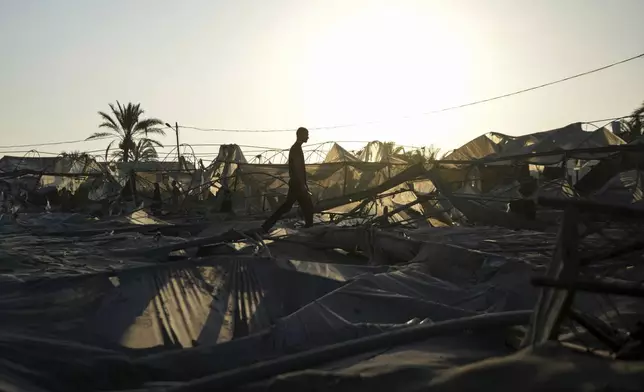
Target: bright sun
{"points": [[383, 63]]}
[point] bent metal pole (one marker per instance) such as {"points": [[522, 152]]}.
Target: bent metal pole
{"points": [[315, 357]]}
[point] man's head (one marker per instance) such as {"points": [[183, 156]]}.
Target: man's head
{"points": [[302, 135]]}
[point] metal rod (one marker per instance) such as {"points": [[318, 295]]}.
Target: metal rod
{"points": [[176, 129], [585, 206], [311, 358], [628, 289]]}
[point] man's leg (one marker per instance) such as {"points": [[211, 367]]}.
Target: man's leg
{"points": [[304, 199], [283, 209]]}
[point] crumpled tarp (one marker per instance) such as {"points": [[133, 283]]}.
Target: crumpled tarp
{"points": [[570, 137], [366, 305], [626, 188], [172, 305], [263, 187], [338, 154]]}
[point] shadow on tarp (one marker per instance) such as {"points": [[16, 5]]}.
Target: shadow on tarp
{"points": [[366, 305], [171, 305]]}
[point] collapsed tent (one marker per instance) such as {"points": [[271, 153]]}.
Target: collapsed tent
{"points": [[265, 185], [419, 272], [626, 188], [496, 146], [179, 305], [338, 154]]}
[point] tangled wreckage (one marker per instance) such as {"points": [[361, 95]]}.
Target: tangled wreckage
{"points": [[513, 262]]}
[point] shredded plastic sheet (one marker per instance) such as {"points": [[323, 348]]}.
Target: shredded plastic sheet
{"points": [[71, 326], [477, 148], [267, 308], [570, 137], [265, 186], [624, 188], [338, 154], [178, 321], [377, 151], [339, 272], [368, 304], [174, 305], [10, 163]]}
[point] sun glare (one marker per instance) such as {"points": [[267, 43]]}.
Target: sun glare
{"points": [[383, 64]]}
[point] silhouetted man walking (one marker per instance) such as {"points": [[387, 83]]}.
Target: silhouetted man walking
{"points": [[297, 188]]}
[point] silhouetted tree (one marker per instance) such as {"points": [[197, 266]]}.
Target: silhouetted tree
{"points": [[636, 122], [78, 157], [145, 150], [126, 126], [75, 155]]}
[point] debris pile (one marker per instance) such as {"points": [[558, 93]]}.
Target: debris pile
{"points": [[519, 255]]}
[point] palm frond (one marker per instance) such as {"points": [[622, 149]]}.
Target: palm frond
{"points": [[127, 126], [155, 131], [97, 135], [148, 125], [148, 155], [118, 156], [144, 150], [117, 114], [107, 150], [635, 124], [107, 125], [152, 142], [109, 122]]}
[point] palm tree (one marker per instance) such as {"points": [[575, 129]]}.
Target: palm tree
{"points": [[77, 156], [145, 150], [126, 126], [635, 124]]}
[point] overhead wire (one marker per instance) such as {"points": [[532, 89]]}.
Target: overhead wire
{"points": [[54, 143], [494, 98], [609, 119], [371, 122]]}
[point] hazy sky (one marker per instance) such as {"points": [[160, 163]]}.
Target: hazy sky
{"points": [[285, 63]]}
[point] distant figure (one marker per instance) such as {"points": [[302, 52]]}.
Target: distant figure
{"points": [[3, 203], [297, 188], [129, 192], [64, 200], [24, 198], [156, 200], [176, 194]]}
